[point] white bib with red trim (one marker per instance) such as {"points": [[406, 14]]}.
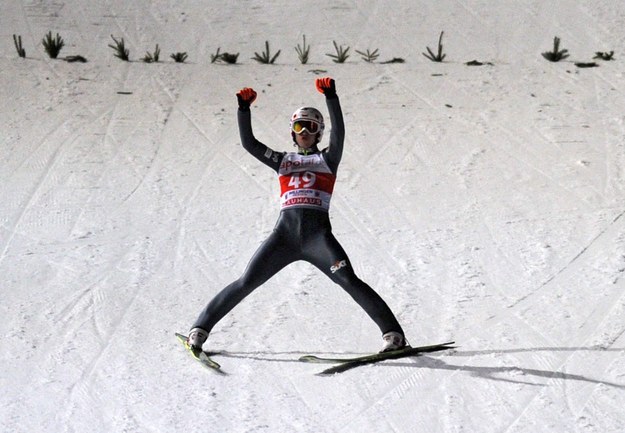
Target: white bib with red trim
{"points": [[305, 181]]}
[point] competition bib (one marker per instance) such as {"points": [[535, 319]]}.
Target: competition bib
{"points": [[305, 181]]}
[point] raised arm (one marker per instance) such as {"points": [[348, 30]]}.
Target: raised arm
{"points": [[334, 152], [259, 150]]}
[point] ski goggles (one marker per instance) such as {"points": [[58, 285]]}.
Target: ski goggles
{"points": [[310, 126]]}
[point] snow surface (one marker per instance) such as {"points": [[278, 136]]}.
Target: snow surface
{"points": [[485, 203]]}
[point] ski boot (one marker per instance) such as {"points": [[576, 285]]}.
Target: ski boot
{"points": [[393, 341], [196, 338]]}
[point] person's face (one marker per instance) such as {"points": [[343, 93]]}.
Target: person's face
{"points": [[305, 140]]}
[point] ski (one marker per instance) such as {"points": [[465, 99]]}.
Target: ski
{"points": [[345, 364], [199, 355]]}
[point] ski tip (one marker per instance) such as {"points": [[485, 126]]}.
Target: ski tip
{"points": [[448, 345], [309, 358]]}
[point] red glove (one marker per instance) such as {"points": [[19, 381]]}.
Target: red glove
{"points": [[246, 96], [326, 86]]}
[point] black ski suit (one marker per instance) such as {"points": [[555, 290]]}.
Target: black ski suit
{"points": [[302, 232]]}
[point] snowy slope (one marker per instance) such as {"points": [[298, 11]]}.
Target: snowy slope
{"points": [[485, 204]]}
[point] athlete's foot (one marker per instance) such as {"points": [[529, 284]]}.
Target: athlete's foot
{"points": [[197, 337], [393, 341]]}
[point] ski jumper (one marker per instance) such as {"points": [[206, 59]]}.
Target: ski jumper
{"points": [[303, 230]]}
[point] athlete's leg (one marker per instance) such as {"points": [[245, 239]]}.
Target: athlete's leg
{"points": [[328, 255], [273, 255]]}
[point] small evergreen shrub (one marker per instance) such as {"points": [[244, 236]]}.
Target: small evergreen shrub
{"points": [[439, 56], [52, 45], [557, 54], [121, 51], [230, 58], [303, 52], [604, 56], [179, 57], [152, 57], [369, 56], [217, 56], [265, 57], [341, 53], [17, 40], [224, 57]]}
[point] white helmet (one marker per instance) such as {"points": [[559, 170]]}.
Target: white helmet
{"points": [[308, 114]]}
